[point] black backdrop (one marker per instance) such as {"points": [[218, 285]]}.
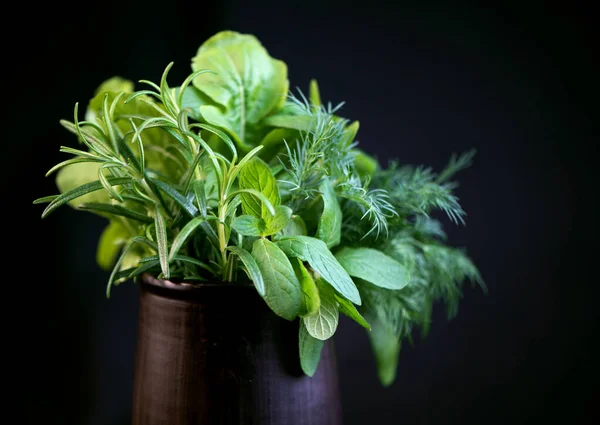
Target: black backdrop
{"points": [[515, 82]]}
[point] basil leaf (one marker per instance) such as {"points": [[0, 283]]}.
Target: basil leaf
{"points": [[295, 227], [386, 347], [323, 324], [282, 289], [329, 229], [316, 253], [277, 222], [374, 267], [310, 293], [310, 350], [251, 268], [255, 174], [347, 308], [248, 84], [248, 225]]}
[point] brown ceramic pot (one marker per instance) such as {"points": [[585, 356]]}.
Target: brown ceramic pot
{"points": [[215, 354]]}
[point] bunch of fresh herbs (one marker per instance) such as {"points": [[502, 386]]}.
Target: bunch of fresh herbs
{"points": [[229, 172]]}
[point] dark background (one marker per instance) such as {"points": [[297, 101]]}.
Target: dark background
{"points": [[517, 82]]}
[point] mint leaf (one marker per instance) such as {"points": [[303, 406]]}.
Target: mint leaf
{"points": [[316, 253], [374, 267], [251, 268], [282, 289], [256, 175], [330, 225], [323, 324], [347, 308], [310, 293], [248, 225], [295, 227], [248, 84], [386, 346], [310, 350], [277, 222]]}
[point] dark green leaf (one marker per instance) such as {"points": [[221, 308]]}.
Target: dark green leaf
{"points": [[316, 253], [251, 266], [282, 289], [174, 194], [249, 225], [323, 324], [295, 227], [115, 210], [310, 351], [81, 191], [276, 223], [183, 235], [374, 267], [347, 308]]}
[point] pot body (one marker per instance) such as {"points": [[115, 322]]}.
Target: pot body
{"points": [[215, 354]]}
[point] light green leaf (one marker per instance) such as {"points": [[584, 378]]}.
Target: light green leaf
{"points": [[313, 93], [161, 241], [295, 227], [350, 133], [277, 222], [316, 253], [292, 122], [282, 289], [364, 164], [310, 293], [347, 308], [192, 100], [255, 174], [374, 267], [112, 239], [247, 83], [323, 324], [248, 225], [310, 350], [76, 175], [80, 191], [386, 347], [329, 229], [251, 268]]}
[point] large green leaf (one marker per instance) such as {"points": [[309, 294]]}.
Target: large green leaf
{"points": [[256, 175], [374, 267], [347, 308], [310, 350], [316, 253], [248, 225], [248, 84], [251, 268], [112, 239], [295, 227], [282, 289], [76, 175], [329, 229], [323, 324], [277, 222]]}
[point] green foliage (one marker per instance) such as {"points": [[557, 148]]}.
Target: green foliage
{"points": [[228, 172]]}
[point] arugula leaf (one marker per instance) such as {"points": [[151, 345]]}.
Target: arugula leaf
{"points": [[347, 308], [330, 225], [323, 324], [295, 227], [386, 347], [248, 84], [282, 289], [249, 225], [374, 267], [251, 268], [310, 350], [316, 253], [310, 293], [255, 174]]}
